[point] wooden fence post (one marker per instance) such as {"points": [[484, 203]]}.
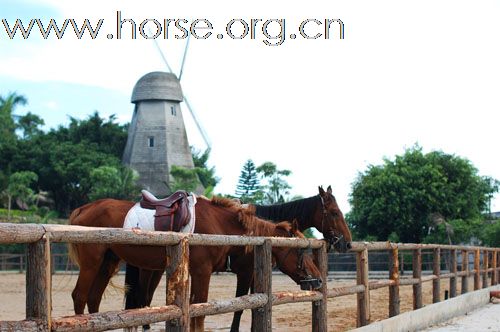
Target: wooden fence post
{"points": [[494, 275], [178, 285], [362, 279], [417, 273], [453, 269], [477, 268], [486, 261], [394, 289], [436, 270], [319, 308], [38, 284], [262, 317], [465, 267]]}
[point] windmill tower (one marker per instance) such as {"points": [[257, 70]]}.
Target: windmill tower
{"points": [[157, 138]]}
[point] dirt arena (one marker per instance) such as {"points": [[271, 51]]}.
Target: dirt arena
{"points": [[287, 317]]}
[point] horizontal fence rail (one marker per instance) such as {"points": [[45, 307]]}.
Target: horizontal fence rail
{"points": [[440, 261]]}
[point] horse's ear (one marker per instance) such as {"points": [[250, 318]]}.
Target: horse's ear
{"points": [[295, 226], [321, 190], [329, 190]]}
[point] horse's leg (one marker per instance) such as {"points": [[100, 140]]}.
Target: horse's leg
{"points": [[153, 284], [132, 285], [107, 270], [199, 293], [141, 285], [90, 259], [244, 279], [148, 281]]}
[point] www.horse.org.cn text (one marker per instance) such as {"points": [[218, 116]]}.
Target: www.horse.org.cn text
{"points": [[271, 31]]}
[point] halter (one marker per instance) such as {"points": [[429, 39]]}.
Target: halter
{"points": [[335, 239], [300, 260]]}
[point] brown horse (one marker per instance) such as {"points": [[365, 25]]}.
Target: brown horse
{"points": [[99, 262], [320, 211]]}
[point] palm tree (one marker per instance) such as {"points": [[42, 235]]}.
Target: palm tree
{"points": [[7, 124]]}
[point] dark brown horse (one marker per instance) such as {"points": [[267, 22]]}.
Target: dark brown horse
{"points": [[99, 262], [320, 211]]}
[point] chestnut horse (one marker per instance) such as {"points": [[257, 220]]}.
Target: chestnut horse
{"points": [[99, 262], [320, 211]]}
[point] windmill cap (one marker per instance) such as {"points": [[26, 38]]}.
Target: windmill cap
{"points": [[157, 85]]}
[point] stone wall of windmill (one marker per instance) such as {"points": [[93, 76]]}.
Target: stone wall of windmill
{"points": [[157, 137]]}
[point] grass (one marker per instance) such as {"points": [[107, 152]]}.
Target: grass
{"points": [[29, 217]]}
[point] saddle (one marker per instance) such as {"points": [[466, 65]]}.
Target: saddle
{"points": [[172, 213]]}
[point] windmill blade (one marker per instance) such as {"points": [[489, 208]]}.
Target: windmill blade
{"points": [[184, 57], [159, 50], [198, 124], [193, 114]]}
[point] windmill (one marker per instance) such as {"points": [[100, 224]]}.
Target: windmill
{"points": [[157, 137]]}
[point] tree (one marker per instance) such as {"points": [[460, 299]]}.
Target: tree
{"points": [[69, 169], [491, 234], [109, 136], [113, 182], [19, 187], [7, 124], [276, 188], [407, 196], [206, 174], [29, 124], [64, 157], [248, 187], [184, 179], [8, 138]]}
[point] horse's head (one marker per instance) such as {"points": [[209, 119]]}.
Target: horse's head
{"points": [[294, 262], [332, 223]]}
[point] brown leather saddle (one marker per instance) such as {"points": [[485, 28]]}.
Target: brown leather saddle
{"points": [[172, 213]]}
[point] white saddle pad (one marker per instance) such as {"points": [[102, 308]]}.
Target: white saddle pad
{"points": [[144, 219]]}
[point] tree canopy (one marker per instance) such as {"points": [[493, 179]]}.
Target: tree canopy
{"points": [[7, 123], [205, 173], [265, 184], [276, 189], [63, 158], [248, 187], [408, 198], [190, 179]]}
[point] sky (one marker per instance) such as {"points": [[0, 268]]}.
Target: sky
{"points": [[406, 72]]}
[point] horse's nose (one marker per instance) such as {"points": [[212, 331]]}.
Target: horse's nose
{"points": [[348, 246]]}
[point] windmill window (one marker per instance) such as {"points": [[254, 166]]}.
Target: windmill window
{"points": [[151, 141], [173, 111]]}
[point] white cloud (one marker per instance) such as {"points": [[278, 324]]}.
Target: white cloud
{"points": [[52, 105]]}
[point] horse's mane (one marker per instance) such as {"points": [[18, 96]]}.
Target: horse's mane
{"points": [[253, 225], [301, 209]]}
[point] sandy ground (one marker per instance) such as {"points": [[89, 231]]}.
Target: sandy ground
{"points": [[287, 317]]}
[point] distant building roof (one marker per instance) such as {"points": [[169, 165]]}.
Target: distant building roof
{"points": [[495, 214], [157, 85]]}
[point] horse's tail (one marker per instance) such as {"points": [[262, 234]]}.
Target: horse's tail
{"points": [[72, 248]]}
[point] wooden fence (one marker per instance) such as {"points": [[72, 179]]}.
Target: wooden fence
{"points": [[177, 311]]}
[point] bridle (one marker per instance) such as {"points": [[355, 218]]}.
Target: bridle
{"points": [[300, 259], [334, 238]]}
